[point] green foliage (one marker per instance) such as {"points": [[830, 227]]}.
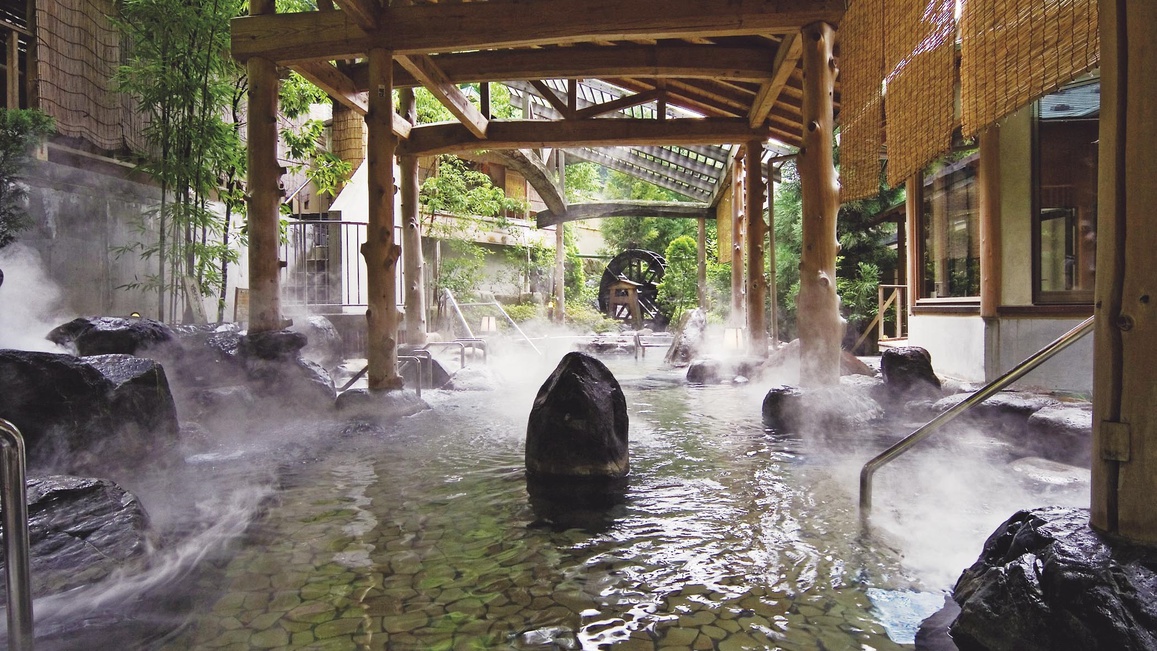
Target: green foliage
{"points": [[522, 312], [323, 168], [460, 190], [461, 268], [295, 95], [584, 182], [679, 289], [585, 317], [858, 294], [20, 130]]}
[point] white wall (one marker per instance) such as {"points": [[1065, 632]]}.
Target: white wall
{"points": [[1017, 338], [956, 343]]}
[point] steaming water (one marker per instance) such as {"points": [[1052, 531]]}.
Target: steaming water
{"points": [[422, 536]]}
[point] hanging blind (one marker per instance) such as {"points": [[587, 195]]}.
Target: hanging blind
{"points": [[1015, 51], [919, 53], [861, 101], [78, 52]]}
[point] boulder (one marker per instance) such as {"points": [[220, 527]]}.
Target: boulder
{"points": [[87, 414], [578, 423], [272, 345], [385, 405], [782, 408], [80, 530], [689, 338], [907, 371], [704, 371], [324, 346], [105, 335], [1062, 433], [1045, 580], [823, 410]]}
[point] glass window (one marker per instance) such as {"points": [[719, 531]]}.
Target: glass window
{"points": [[950, 227], [1065, 223]]}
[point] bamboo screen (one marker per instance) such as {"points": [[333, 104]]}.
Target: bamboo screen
{"points": [[861, 99], [349, 135], [1014, 51], [78, 52], [919, 52]]}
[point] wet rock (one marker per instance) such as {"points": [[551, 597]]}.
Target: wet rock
{"points": [[782, 408], [387, 404], [852, 365], [295, 385], [1063, 434], [1046, 580], [689, 337], [81, 530], [74, 418], [105, 335], [324, 343], [273, 345], [1044, 474], [578, 424], [907, 370], [474, 378], [704, 371]]}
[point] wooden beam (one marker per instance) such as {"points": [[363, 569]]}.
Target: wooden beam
{"points": [[742, 63], [432, 28], [819, 322], [552, 98], [364, 12], [786, 59], [341, 88], [623, 102], [534, 171], [628, 165], [535, 134], [435, 81], [598, 210]]}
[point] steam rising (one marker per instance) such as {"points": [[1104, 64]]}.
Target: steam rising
{"points": [[28, 301]]}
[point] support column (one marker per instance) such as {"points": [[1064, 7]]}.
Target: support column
{"points": [[913, 207], [736, 319], [413, 267], [820, 325], [560, 248], [379, 250], [990, 223], [1124, 467], [702, 277], [756, 285], [772, 293], [264, 196]]}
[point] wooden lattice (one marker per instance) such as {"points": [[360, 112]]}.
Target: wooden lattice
{"points": [[1014, 51], [78, 52], [861, 101], [920, 55]]}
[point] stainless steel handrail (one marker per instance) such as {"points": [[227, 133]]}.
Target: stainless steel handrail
{"points": [[407, 359], [14, 502], [462, 319], [987, 391]]}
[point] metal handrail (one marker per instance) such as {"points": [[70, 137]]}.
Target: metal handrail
{"points": [[14, 502], [987, 391], [462, 319], [408, 359]]}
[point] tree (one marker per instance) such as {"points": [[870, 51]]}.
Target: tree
{"points": [[650, 233], [679, 289], [20, 130]]}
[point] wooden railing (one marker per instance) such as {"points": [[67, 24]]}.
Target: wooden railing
{"points": [[897, 296]]}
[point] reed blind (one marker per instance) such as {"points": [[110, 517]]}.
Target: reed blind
{"points": [[861, 99]]}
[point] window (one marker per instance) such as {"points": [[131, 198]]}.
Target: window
{"points": [[1065, 202], [950, 228]]}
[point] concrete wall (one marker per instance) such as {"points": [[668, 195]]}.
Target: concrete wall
{"points": [[1017, 338], [956, 343], [1016, 208]]}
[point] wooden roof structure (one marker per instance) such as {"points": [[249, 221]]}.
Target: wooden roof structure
{"points": [[658, 89]]}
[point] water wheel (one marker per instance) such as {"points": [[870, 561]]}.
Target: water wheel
{"points": [[644, 268]]}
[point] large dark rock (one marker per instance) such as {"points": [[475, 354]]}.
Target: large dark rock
{"points": [[782, 408], [822, 410], [578, 423], [273, 345], [1047, 581], [704, 371], [86, 414], [907, 370], [80, 530], [689, 338], [105, 335]]}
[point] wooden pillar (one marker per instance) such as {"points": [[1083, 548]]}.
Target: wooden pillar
{"points": [[820, 325], [560, 246], [772, 293], [702, 277], [412, 259], [913, 207], [379, 250], [262, 177], [989, 222], [1124, 465], [736, 319], [756, 285]]}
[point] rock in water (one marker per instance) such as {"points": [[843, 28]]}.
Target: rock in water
{"points": [[908, 371], [110, 335], [578, 424], [1046, 580], [688, 342]]}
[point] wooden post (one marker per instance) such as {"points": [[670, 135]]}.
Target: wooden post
{"points": [[756, 285], [989, 223], [820, 325], [702, 277], [737, 231], [560, 246], [264, 195], [772, 294], [913, 207], [412, 258], [379, 250], [1124, 468]]}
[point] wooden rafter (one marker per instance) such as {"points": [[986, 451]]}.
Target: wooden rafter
{"points": [[533, 134], [364, 12], [337, 85], [594, 210], [432, 28], [531, 167], [786, 60], [623, 102], [548, 94], [435, 81], [623, 160]]}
